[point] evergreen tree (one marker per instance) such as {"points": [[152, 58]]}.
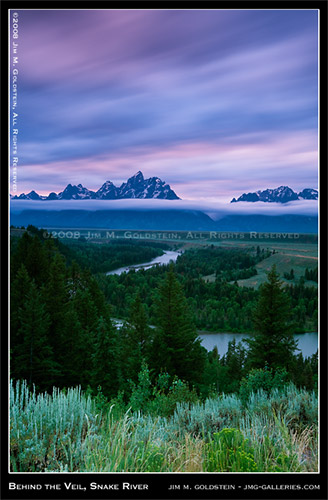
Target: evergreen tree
{"points": [[74, 278], [36, 261], [98, 298], [304, 372], [177, 346], [20, 252], [34, 359], [234, 361], [138, 320], [135, 339], [273, 342], [87, 315], [18, 291], [86, 309], [72, 351], [56, 295], [56, 300], [105, 358], [211, 373]]}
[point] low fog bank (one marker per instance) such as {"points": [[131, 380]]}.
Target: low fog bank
{"points": [[215, 210]]}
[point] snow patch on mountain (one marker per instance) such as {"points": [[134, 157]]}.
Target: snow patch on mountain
{"points": [[135, 187], [282, 194]]}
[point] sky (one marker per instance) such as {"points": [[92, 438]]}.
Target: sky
{"points": [[214, 102]]}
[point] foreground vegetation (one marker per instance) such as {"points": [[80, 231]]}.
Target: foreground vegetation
{"points": [[272, 431]]}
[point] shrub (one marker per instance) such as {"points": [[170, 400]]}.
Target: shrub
{"points": [[164, 404], [160, 398], [47, 431], [262, 379], [229, 451], [208, 417], [298, 407], [141, 393], [271, 432]]}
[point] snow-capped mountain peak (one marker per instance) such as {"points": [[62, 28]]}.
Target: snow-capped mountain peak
{"points": [[135, 187], [107, 191], [308, 194], [76, 193], [281, 194]]}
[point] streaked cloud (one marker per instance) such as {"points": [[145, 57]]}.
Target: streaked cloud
{"points": [[194, 170], [214, 102]]}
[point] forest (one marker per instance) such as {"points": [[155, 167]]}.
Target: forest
{"points": [[65, 352], [219, 306]]}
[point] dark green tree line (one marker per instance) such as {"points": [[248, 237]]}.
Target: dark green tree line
{"points": [[62, 331]]}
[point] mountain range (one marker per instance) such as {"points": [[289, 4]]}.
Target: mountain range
{"points": [[139, 187], [282, 194], [135, 187]]}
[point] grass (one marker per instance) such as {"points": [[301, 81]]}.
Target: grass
{"points": [[287, 257], [63, 432]]}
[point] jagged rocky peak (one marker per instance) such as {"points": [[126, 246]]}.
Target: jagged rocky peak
{"points": [[138, 177], [108, 191], [309, 194], [134, 180], [33, 196], [139, 187], [106, 184], [29, 196], [76, 193], [281, 194], [135, 187]]}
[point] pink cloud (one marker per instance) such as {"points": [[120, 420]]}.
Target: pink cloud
{"points": [[193, 170]]}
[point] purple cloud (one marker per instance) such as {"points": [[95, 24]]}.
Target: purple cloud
{"points": [[214, 102]]}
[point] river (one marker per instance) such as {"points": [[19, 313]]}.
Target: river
{"points": [[167, 257], [307, 342]]}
